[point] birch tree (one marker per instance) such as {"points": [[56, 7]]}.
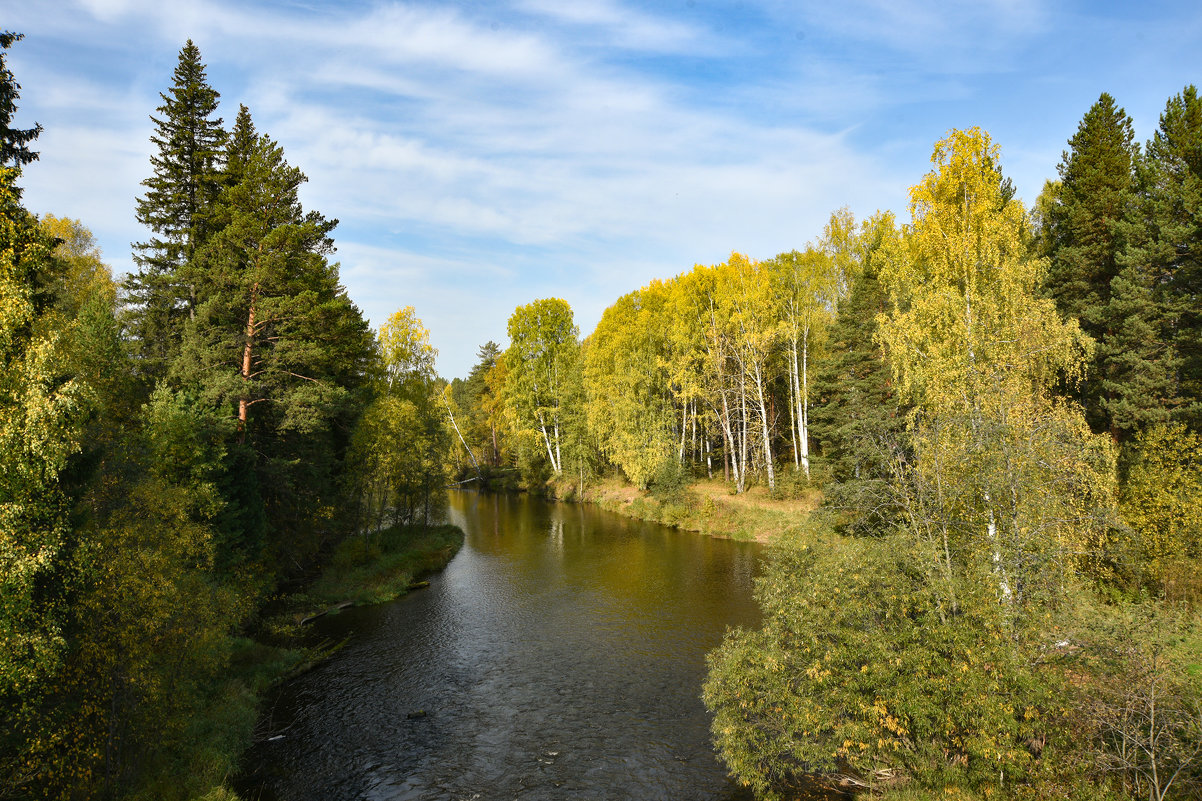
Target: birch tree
{"points": [[977, 351], [748, 312], [398, 450], [808, 286], [707, 354], [544, 348], [627, 385], [42, 417]]}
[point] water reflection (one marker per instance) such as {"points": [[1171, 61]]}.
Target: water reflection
{"points": [[560, 655]]}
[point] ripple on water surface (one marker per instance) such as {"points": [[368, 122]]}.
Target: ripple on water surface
{"points": [[560, 655]]}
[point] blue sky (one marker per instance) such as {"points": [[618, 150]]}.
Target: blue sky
{"points": [[481, 155]]}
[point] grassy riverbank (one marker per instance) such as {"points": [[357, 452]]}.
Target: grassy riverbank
{"points": [[376, 568], [361, 570], [709, 507]]}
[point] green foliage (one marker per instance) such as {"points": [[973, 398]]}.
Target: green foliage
{"points": [[626, 381], [1165, 245], [1092, 197], [543, 364], [382, 566], [42, 413], [863, 666], [398, 454], [14, 142], [965, 318], [191, 447], [398, 451], [275, 350], [1138, 364], [1161, 503], [178, 209], [858, 419], [1139, 706]]}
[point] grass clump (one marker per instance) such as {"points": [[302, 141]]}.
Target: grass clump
{"points": [[383, 565]]}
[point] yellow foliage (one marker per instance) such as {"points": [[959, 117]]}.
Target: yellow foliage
{"points": [[1162, 498], [966, 317]]}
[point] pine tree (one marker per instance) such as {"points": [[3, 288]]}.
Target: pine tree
{"points": [[14, 142], [275, 343], [178, 209]]}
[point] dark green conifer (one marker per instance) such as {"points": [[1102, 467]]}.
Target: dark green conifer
{"points": [[14, 142], [178, 210], [1086, 237], [275, 344], [857, 404], [1166, 240], [857, 422], [1137, 361]]}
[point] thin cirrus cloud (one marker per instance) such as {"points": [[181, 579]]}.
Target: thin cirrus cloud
{"points": [[483, 155]]}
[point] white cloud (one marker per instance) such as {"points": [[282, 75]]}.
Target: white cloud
{"points": [[480, 157], [623, 26]]}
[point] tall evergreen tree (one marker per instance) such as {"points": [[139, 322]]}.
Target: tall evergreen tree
{"points": [[857, 404], [858, 420], [275, 343], [478, 398], [1138, 362], [14, 142], [178, 210], [1166, 240], [1086, 239]]}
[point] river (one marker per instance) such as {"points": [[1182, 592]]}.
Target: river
{"points": [[560, 655]]}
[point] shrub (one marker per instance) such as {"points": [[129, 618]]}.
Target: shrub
{"points": [[868, 665]]}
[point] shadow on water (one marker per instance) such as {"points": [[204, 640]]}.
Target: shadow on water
{"points": [[559, 655]]}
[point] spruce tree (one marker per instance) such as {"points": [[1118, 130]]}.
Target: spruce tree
{"points": [[1087, 240], [178, 210], [857, 420], [1166, 240], [857, 403], [1138, 361], [14, 142]]}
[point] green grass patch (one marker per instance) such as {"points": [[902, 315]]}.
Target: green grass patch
{"points": [[197, 763], [377, 567]]}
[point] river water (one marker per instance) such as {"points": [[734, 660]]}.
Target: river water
{"points": [[560, 655]]}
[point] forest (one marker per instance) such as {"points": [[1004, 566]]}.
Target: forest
{"points": [[1000, 406], [175, 449]]}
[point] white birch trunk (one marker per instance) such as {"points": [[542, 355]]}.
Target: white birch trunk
{"points": [[803, 411], [759, 387], [793, 422]]}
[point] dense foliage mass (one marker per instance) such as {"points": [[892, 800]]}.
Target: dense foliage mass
{"points": [[1001, 410], [171, 453]]}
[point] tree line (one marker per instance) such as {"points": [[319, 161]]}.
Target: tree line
{"points": [[176, 447], [1000, 405], [807, 362]]}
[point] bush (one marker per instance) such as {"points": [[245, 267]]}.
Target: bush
{"points": [[1141, 698], [670, 483], [870, 666]]}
